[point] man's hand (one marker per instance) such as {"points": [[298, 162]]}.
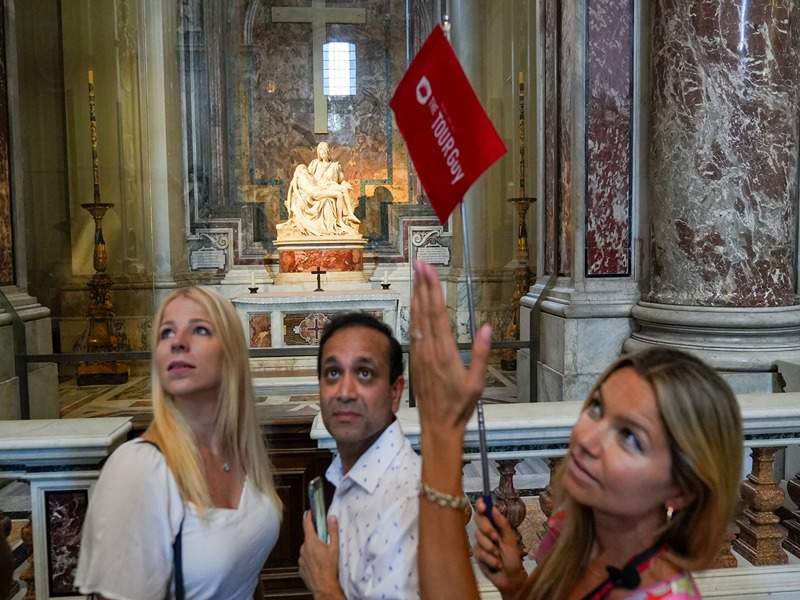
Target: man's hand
{"points": [[319, 562]]}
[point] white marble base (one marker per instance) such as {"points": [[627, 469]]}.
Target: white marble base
{"points": [[744, 341], [580, 334]]}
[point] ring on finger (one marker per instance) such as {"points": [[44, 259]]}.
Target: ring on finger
{"points": [[416, 335]]}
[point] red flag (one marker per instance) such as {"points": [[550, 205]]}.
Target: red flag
{"points": [[449, 136]]}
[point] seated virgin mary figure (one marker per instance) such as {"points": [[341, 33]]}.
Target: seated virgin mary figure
{"points": [[318, 200]]}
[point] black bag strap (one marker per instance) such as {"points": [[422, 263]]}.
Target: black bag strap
{"points": [[177, 557]]}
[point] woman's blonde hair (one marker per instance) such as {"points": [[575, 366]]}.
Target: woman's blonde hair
{"points": [[704, 427], [236, 425]]}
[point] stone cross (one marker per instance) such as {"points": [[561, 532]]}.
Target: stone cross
{"points": [[319, 273], [319, 16]]}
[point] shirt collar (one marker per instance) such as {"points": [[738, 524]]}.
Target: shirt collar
{"points": [[371, 465]]}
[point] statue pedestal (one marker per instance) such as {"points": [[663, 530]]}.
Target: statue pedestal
{"points": [[342, 258]]}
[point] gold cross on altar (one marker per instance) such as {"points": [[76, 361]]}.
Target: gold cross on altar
{"points": [[319, 16]]}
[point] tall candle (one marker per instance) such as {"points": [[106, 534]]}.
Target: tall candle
{"points": [[385, 277], [93, 135], [252, 279]]}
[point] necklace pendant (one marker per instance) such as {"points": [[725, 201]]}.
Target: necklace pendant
{"points": [[226, 467]]}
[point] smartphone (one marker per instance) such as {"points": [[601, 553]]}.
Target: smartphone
{"points": [[316, 500]]}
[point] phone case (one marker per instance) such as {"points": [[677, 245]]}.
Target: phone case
{"points": [[316, 499]]}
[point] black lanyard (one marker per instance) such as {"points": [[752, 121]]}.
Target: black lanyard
{"points": [[627, 577]]}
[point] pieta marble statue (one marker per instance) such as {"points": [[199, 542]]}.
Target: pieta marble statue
{"points": [[319, 201]]}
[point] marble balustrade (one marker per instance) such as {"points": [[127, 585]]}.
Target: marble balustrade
{"points": [[61, 459], [767, 557]]}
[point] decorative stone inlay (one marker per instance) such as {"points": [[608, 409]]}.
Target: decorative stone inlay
{"points": [[609, 124], [64, 515], [260, 332], [333, 259], [305, 329], [760, 532], [309, 329]]}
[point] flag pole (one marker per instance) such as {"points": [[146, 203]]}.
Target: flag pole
{"points": [[487, 492]]}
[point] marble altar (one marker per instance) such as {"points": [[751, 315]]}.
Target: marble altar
{"points": [[283, 319]]}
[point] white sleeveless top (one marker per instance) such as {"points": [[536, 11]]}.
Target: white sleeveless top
{"points": [[134, 515]]}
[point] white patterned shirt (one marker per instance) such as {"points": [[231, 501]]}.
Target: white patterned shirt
{"points": [[377, 506]]}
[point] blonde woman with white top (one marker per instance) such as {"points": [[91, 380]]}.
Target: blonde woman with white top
{"points": [[198, 484]]}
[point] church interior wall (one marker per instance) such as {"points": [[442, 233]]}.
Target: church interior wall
{"points": [[203, 109]]}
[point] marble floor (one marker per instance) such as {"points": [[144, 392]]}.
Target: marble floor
{"points": [[275, 386]]}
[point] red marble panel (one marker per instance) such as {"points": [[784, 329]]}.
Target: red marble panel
{"points": [[64, 515], [260, 331], [559, 59], [567, 48], [550, 178], [339, 259], [609, 72], [6, 240]]}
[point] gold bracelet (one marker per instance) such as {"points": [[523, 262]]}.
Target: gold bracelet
{"points": [[442, 499]]}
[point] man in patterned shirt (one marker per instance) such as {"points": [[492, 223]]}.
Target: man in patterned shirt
{"points": [[373, 517]]}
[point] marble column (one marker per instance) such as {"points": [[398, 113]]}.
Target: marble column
{"points": [[723, 185], [579, 307], [489, 216]]}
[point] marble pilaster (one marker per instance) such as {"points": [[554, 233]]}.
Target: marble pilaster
{"points": [[42, 377], [579, 308], [723, 185]]}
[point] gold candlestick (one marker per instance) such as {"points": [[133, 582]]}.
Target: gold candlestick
{"points": [[508, 360], [93, 136], [100, 337]]}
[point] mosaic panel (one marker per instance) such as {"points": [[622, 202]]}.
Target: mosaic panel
{"points": [[305, 329]]}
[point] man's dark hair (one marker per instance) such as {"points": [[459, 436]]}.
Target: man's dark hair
{"points": [[362, 319]]}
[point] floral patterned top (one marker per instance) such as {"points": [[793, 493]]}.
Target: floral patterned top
{"points": [[680, 587]]}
